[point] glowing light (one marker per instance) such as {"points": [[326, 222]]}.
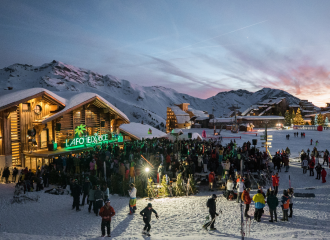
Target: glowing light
{"points": [[147, 169]]}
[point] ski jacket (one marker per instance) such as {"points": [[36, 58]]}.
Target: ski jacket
{"points": [[259, 201], [146, 213], [76, 190], [230, 186], [246, 197], [272, 201], [107, 213], [240, 187], [91, 195], [211, 177], [324, 173], [285, 200], [318, 169], [87, 186], [98, 195], [132, 193], [312, 164], [276, 180], [212, 206], [305, 163]]}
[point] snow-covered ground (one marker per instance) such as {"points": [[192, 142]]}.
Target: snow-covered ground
{"points": [[180, 218]]}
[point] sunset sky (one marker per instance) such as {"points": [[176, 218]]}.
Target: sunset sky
{"points": [[196, 47]]}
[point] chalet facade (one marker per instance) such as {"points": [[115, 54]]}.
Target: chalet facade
{"points": [[37, 125]]}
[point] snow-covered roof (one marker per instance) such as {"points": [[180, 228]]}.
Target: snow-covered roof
{"points": [[197, 113], [182, 119], [84, 98], [221, 120], [178, 111], [139, 131], [195, 135], [201, 118], [261, 118], [294, 105], [25, 95]]}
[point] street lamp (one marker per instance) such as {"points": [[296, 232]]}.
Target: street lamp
{"points": [[147, 169]]}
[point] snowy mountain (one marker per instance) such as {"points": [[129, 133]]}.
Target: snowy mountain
{"points": [[139, 103]]}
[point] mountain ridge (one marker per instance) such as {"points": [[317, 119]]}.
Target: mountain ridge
{"points": [[139, 103]]}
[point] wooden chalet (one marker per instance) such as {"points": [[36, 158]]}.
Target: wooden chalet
{"points": [[37, 125]]}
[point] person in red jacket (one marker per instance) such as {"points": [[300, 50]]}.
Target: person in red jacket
{"points": [[211, 180], [311, 167], [106, 212], [276, 181], [247, 200], [323, 174]]}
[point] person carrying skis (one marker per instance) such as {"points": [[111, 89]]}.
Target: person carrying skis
{"points": [[275, 180], [211, 204], [285, 202], [247, 200], [146, 214], [132, 201], [106, 212], [323, 174], [259, 203], [272, 202]]}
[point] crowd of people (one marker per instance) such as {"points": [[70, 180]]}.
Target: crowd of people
{"points": [[311, 161]]}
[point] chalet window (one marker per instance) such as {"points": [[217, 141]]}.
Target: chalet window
{"points": [[77, 117], [26, 107]]}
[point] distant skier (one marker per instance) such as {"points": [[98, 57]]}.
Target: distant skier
{"points": [[311, 141], [146, 214], [106, 212], [211, 204], [317, 141]]}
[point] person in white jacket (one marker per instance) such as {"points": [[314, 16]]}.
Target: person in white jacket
{"points": [[132, 200], [240, 189], [230, 187]]}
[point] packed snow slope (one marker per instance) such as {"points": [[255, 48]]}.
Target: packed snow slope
{"points": [[137, 102], [180, 218]]}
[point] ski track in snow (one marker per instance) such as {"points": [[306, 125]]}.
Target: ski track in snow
{"points": [[180, 218]]}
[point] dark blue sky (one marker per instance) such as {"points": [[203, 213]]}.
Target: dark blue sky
{"points": [[195, 47]]}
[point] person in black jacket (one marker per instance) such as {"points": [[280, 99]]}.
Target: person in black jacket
{"points": [[146, 214], [98, 197], [76, 191], [86, 187], [211, 204]]}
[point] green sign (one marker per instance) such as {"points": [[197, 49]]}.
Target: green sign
{"points": [[82, 141]]}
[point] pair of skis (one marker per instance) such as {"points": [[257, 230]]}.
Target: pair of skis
{"points": [[209, 223]]}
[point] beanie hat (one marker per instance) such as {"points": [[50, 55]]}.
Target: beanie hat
{"points": [[214, 196], [149, 205]]}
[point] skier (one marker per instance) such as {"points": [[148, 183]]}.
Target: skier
{"points": [[132, 201], [276, 180], [211, 204], [247, 200], [305, 165], [259, 203], [86, 187], [98, 196], [211, 180], [323, 174], [272, 202], [290, 193], [106, 212], [318, 170], [76, 191], [146, 214], [311, 167], [311, 142], [240, 188], [285, 202]]}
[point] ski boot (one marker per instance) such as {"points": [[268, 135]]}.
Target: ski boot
{"points": [[213, 229], [148, 234], [144, 232]]}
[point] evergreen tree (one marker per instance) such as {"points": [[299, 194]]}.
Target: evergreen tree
{"points": [[298, 120], [280, 114], [326, 121], [179, 190], [287, 117], [320, 119], [312, 121], [150, 188], [163, 191], [293, 115], [315, 120]]}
